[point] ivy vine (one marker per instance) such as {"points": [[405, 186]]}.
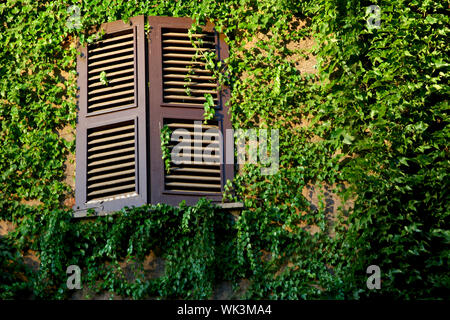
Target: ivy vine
{"points": [[165, 150], [363, 111]]}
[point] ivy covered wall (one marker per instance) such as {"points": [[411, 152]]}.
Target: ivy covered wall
{"points": [[367, 121]]}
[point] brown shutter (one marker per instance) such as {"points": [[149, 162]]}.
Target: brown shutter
{"points": [[111, 128], [171, 70]]}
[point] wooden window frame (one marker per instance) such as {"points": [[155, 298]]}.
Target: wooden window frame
{"points": [[148, 113]]}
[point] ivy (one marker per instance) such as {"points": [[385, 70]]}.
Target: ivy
{"points": [[208, 106], [103, 78], [369, 120], [165, 150]]}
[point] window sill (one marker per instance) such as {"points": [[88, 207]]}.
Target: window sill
{"points": [[225, 206]]}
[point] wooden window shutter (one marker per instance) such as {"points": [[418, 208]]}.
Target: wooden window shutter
{"points": [[173, 69], [111, 126]]}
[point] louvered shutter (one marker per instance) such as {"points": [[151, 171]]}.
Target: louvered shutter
{"points": [[111, 126], [172, 69]]}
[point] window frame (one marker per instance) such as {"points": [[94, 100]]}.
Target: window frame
{"points": [[148, 114]]}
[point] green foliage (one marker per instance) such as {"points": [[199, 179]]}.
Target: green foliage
{"points": [[195, 242], [14, 275], [210, 111], [103, 78], [165, 141], [371, 123]]}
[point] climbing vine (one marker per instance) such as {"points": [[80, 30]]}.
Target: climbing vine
{"points": [[362, 113], [208, 106], [165, 150]]}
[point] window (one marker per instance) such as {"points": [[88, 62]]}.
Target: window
{"points": [[131, 86]]}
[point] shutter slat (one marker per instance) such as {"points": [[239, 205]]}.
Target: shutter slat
{"points": [[110, 182], [103, 104], [202, 163], [112, 138], [173, 41], [180, 55], [97, 163], [203, 156], [173, 48], [191, 125], [198, 148], [113, 167], [102, 132], [114, 66], [190, 84], [110, 61], [111, 145], [121, 188], [111, 75], [111, 95], [111, 46], [198, 63], [108, 54], [178, 97], [196, 141], [123, 195], [196, 177], [116, 38], [193, 185], [203, 134], [192, 91], [110, 153], [186, 70], [195, 192], [188, 76], [110, 175], [192, 169], [186, 34], [184, 103], [110, 88]]}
